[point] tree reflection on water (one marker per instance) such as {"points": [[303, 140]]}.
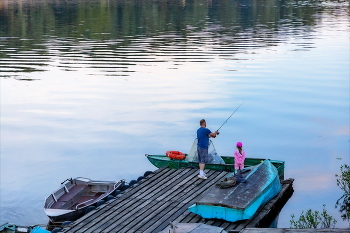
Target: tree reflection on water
{"points": [[343, 203]]}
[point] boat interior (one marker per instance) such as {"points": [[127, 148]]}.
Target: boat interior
{"points": [[78, 193]]}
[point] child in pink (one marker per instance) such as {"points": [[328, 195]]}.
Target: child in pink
{"points": [[239, 156]]}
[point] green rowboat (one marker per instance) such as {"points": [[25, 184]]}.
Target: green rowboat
{"points": [[226, 164], [164, 161]]}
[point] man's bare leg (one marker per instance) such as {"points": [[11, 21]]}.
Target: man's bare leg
{"points": [[201, 166]]}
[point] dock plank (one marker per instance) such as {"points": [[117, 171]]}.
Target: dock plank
{"points": [[187, 216], [136, 219], [160, 225], [160, 217], [118, 216]]}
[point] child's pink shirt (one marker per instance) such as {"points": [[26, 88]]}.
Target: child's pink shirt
{"points": [[239, 158]]}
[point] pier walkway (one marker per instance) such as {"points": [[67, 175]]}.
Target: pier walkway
{"points": [[163, 197]]}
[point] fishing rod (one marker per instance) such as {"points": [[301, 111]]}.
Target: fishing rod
{"points": [[231, 115]]}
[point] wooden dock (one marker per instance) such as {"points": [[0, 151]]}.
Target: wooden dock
{"points": [[163, 197]]}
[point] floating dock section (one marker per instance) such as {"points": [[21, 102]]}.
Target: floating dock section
{"points": [[163, 197]]}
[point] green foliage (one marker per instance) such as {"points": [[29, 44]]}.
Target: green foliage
{"points": [[313, 219], [343, 203], [316, 219]]}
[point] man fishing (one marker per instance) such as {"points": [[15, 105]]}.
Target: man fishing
{"points": [[203, 135]]}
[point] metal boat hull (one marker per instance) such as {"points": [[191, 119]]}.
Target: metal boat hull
{"points": [[242, 201], [72, 200]]}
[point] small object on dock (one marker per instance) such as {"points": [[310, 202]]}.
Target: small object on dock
{"points": [[227, 182]]}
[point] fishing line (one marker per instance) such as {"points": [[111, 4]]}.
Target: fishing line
{"points": [[231, 115]]}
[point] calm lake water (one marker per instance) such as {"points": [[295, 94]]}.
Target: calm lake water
{"points": [[89, 87]]}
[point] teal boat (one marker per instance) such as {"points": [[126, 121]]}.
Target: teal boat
{"points": [[13, 228], [226, 162], [243, 200]]}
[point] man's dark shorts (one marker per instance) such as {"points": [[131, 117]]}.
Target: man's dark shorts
{"points": [[203, 155]]}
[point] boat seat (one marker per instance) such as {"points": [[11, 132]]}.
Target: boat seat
{"points": [[100, 194], [99, 188], [72, 192], [85, 199], [58, 204]]}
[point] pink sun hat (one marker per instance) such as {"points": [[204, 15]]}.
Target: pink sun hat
{"points": [[239, 144]]}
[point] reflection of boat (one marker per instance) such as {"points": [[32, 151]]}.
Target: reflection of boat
{"points": [[192, 228], [228, 165], [76, 196], [12, 228], [242, 201]]}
